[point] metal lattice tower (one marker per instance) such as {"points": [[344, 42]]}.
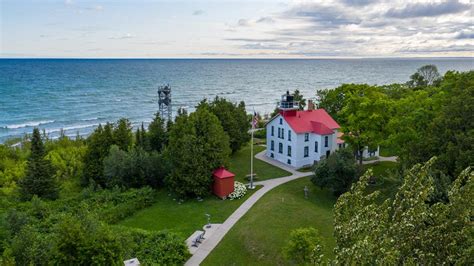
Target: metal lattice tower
{"points": [[164, 102]]}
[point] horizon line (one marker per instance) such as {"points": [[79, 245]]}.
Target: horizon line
{"points": [[238, 58]]}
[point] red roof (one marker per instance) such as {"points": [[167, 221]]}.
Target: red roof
{"points": [[222, 173], [317, 121]]}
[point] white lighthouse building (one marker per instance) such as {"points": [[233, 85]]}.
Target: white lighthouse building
{"points": [[301, 138]]}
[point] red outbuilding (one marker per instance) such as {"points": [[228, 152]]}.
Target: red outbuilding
{"points": [[223, 182]]}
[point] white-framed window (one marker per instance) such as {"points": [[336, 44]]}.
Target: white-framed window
{"points": [[280, 147], [306, 151], [273, 131], [306, 136], [282, 133], [289, 150], [272, 145], [315, 146], [326, 141], [281, 121], [289, 135]]}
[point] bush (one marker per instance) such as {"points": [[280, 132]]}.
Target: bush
{"points": [[337, 172], [153, 248], [304, 246]]}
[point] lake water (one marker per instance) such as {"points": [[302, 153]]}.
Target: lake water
{"points": [[77, 95]]}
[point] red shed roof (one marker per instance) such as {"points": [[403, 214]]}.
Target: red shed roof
{"points": [[222, 173], [317, 121]]}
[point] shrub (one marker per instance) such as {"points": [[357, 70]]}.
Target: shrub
{"points": [[304, 246], [337, 172], [153, 248]]}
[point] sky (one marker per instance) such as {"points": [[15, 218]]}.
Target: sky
{"points": [[236, 29]]}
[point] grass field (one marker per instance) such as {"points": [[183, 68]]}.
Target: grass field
{"points": [[240, 166], [184, 218], [189, 216], [258, 238]]}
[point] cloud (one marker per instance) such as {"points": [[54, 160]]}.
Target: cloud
{"points": [[428, 9], [265, 20], [122, 37], [358, 2], [357, 28], [322, 15], [243, 22], [449, 48], [465, 35], [198, 12]]}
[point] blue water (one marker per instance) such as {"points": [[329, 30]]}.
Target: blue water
{"points": [[77, 95]]}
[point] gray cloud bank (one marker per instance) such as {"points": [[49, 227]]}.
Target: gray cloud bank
{"points": [[360, 28]]}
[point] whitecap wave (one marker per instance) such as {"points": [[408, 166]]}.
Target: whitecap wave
{"points": [[54, 130], [29, 124]]}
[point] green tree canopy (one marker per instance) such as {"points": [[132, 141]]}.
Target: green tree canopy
{"points": [[39, 179], [364, 117], [197, 146], [233, 119], [157, 136], [427, 75], [407, 229], [337, 172]]}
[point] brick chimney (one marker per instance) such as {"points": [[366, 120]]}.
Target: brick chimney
{"points": [[310, 105]]}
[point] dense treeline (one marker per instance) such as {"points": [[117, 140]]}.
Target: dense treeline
{"points": [[76, 231], [60, 198], [432, 116], [429, 123]]}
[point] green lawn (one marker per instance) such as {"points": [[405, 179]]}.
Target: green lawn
{"points": [[240, 166], [189, 216], [385, 183], [184, 218], [258, 238]]}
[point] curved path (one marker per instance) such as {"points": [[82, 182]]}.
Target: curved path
{"points": [[210, 243], [382, 159]]}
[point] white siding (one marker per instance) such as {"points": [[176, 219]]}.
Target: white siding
{"points": [[282, 157], [297, 144]]}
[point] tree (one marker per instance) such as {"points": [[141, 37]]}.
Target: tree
{"points": [[39, 179], [233, 119], [436, 121], [407, 229], [304, 247], [425, 76], [82, 240], [157, 136], [364, 117], [197, 146], [98, 145], [333, 100], [135, 168], [122, 134], [337, 172]]}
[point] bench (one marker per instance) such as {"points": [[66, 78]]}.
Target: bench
{"points": [[198, 240]]}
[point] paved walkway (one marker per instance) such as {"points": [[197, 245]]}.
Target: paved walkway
{"points": [[382, 159], [210, 243]]}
